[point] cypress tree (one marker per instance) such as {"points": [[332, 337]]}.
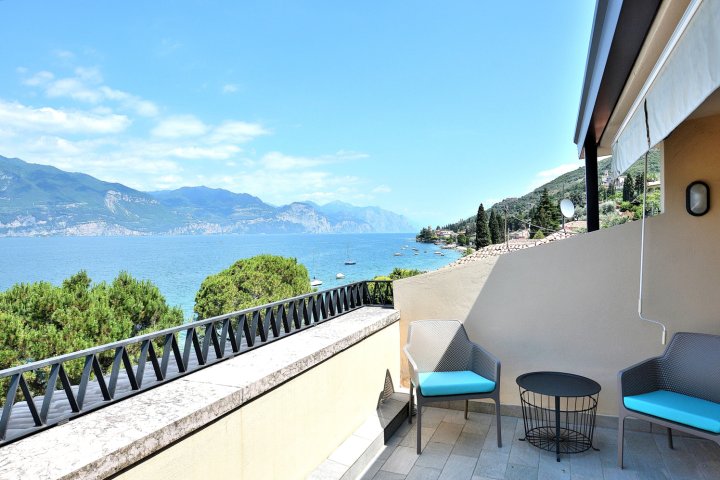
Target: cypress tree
{"points": [[628, 188], [493, 226], [482, 232], [639, 184], [500, 227]]}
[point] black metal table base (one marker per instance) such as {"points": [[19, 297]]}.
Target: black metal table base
{"points": [[558, 411]]}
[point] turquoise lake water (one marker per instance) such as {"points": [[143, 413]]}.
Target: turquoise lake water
{"points": [[178, 264]]}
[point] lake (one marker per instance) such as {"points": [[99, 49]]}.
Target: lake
{"points": [[179, 264]]}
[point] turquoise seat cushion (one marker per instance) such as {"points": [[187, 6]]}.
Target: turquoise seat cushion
{"points": [[677, 407], [454, 383]]}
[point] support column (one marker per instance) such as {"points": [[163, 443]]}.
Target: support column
{"points": [[591, 185]]}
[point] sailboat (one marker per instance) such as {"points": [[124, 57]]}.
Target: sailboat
{"points": [[315, 282], [348, 261]]}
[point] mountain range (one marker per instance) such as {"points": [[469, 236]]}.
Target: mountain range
{"points": [[38, 200]]}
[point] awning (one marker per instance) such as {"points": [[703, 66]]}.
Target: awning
{"points": [[686, 74]]}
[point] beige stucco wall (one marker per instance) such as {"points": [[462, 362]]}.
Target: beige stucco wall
{"points": [[572, 305], [289, 431]]}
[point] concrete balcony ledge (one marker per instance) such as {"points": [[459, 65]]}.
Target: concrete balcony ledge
{"points": [[108, 441]]}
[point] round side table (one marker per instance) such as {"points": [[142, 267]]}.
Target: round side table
{"points": [[558, 410]]}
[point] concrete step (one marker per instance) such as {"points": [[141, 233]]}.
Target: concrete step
{"points": [[359, 450]]}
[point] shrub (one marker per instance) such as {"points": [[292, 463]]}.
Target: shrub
{"points": [[607, 207]]}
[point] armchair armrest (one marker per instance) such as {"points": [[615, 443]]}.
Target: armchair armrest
{"points": [[641, 378], [484, 363], [414, 372]]}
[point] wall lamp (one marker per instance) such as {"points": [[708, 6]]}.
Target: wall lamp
{"points": [[697, 198]]}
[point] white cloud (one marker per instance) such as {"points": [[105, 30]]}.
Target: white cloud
{"points": [[64, 54], [173, 151], [40, 78], [237, 132], [545, 176], [142, 107], [180, 126], [73, 88], [347, 155], [51, 120], [279, 161], [229, 88], [219, 152], [87, 87], [559, 170]]}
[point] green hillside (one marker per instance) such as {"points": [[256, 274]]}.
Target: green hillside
{"points": [[571, 183]]}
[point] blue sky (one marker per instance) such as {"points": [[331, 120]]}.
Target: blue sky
{"points": [[424, 108]]}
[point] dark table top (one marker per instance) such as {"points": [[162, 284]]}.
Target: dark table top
{"points": [[558, 384]]}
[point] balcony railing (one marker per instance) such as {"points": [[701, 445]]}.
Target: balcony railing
{"points": [[121, 369]]}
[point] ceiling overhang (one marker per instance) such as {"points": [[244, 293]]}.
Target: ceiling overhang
{"points": [[619, 32]]}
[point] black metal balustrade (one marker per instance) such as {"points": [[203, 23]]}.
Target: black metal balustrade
{"points": [[139, 363]]}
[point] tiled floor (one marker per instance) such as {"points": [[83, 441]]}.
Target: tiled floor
{"points": [[455, 448]]}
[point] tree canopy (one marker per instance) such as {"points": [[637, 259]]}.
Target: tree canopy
{"points": [[251, 282], [40, 320]]}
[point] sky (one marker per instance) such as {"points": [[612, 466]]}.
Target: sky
{"points": [[424, 108]]}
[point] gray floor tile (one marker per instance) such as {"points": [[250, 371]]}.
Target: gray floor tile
{"points": [[435, 455], [401, 460], [524, 453], [468, 449], [455, 416], [383, 475], [423, 473], [550, 469], [584, 465], [458, 467], [432, 417], [477, 423], [378, 462], [468, 444], [410, 440], [492, 464], [447, 433], [520, 472]]}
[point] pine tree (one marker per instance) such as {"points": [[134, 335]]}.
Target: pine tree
{"points": [[493, 226], [546, 215], [482, 232], [628, 189]]}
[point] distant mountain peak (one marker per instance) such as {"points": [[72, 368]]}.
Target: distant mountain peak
{"points": [[43, 200]]}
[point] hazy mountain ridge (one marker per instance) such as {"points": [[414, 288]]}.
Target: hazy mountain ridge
{"points": [[39, 200]]}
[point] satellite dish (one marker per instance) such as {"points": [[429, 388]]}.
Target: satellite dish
{"points": [[567, 208]]}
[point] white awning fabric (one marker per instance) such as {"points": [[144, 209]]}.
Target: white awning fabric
{"points": [[686, 74]]}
